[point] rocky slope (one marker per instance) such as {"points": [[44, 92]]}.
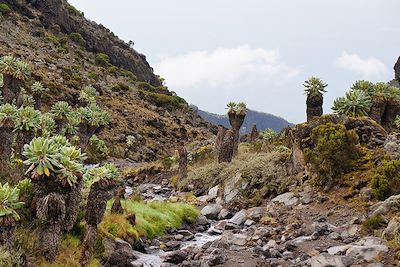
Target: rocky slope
{"points": [[63, 49]]}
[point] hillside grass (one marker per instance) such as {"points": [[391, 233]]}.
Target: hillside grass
{"points": [[152, 219]]}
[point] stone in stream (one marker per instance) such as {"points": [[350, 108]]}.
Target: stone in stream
{"points": [[175, 257]]}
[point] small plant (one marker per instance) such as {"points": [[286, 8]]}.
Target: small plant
{"points": [[386, 181], [315, 87], [47, 156], [269, 135], [15, 68], [4, 9], [61, 109], [333, 152], [97, 149], [102, 60], [95, 116], [89, 94], [106, 174], [356, 103], [9, 203], [38, 88], [130, 141], [77, 38], [26, 119], [373, 223], [47, 124]]}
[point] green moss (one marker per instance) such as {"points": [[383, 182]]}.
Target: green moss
{"points": [[4, 9], [129, 74], [152, 219]]}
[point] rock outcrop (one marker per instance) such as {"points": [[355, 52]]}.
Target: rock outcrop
{"points": [[98, 39]]}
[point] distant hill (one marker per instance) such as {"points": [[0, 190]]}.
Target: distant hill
{"points": [[263, 120]]}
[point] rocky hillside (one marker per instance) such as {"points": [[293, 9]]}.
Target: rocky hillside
{"points": [[261, 119], [67, 52]]}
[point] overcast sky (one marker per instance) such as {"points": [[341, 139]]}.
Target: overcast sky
{"points": [[258, 51]]}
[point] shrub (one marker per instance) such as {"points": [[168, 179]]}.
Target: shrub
{"points": [[386, 181], [373, 223], [102, 60], [77, 38], [333, 152], [4, 9], [163, 100], [129, 74], [97, 149]]}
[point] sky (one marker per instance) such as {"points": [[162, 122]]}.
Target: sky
{"points": [[257, 51]]}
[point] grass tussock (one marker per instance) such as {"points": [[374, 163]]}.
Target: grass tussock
{"points": [[263, 171], [152, 219], [69, 255]]}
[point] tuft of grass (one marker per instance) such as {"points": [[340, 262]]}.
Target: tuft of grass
{"points": [[373, 223], [69, 255], [152, 219]]}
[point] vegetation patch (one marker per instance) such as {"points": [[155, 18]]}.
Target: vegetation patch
{"points": [[331, 153], [151, 219], [386, 181], [4, 9], [373, 223], [170, 102]]}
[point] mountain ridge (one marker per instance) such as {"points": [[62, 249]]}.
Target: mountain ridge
{"points": [[263, 120]]}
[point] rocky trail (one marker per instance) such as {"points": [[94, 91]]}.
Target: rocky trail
{"points": [[293, 229]]}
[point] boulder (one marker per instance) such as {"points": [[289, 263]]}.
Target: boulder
{"points": [[328, 260], [288, 199], [239, 218], [118, 252], [391, 204], [211, 211]]}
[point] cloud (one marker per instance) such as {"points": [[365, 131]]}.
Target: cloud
{"points": [[369, 67], [223, 67]]}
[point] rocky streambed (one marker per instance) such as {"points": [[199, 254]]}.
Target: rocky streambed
{"points": [[293, 229]]}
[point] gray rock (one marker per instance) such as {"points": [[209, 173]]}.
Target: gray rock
{"points": [[391, 204], [327, 260], [213, 193], [202, 220], [224, 214], [249, 223], [211, 211], [233, 187], [239, 239], [239, 218], [175, 257], [118, 252], [392, 229], [288, 199], [256, 213]]}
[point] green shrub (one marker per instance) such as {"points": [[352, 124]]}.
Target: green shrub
{"points": [[129, 74], [332, 153], [97, 149], [386, 181], [77, 38], [373, 223], [163, 100], [380, 187], [102, 60], [4, 9]]}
